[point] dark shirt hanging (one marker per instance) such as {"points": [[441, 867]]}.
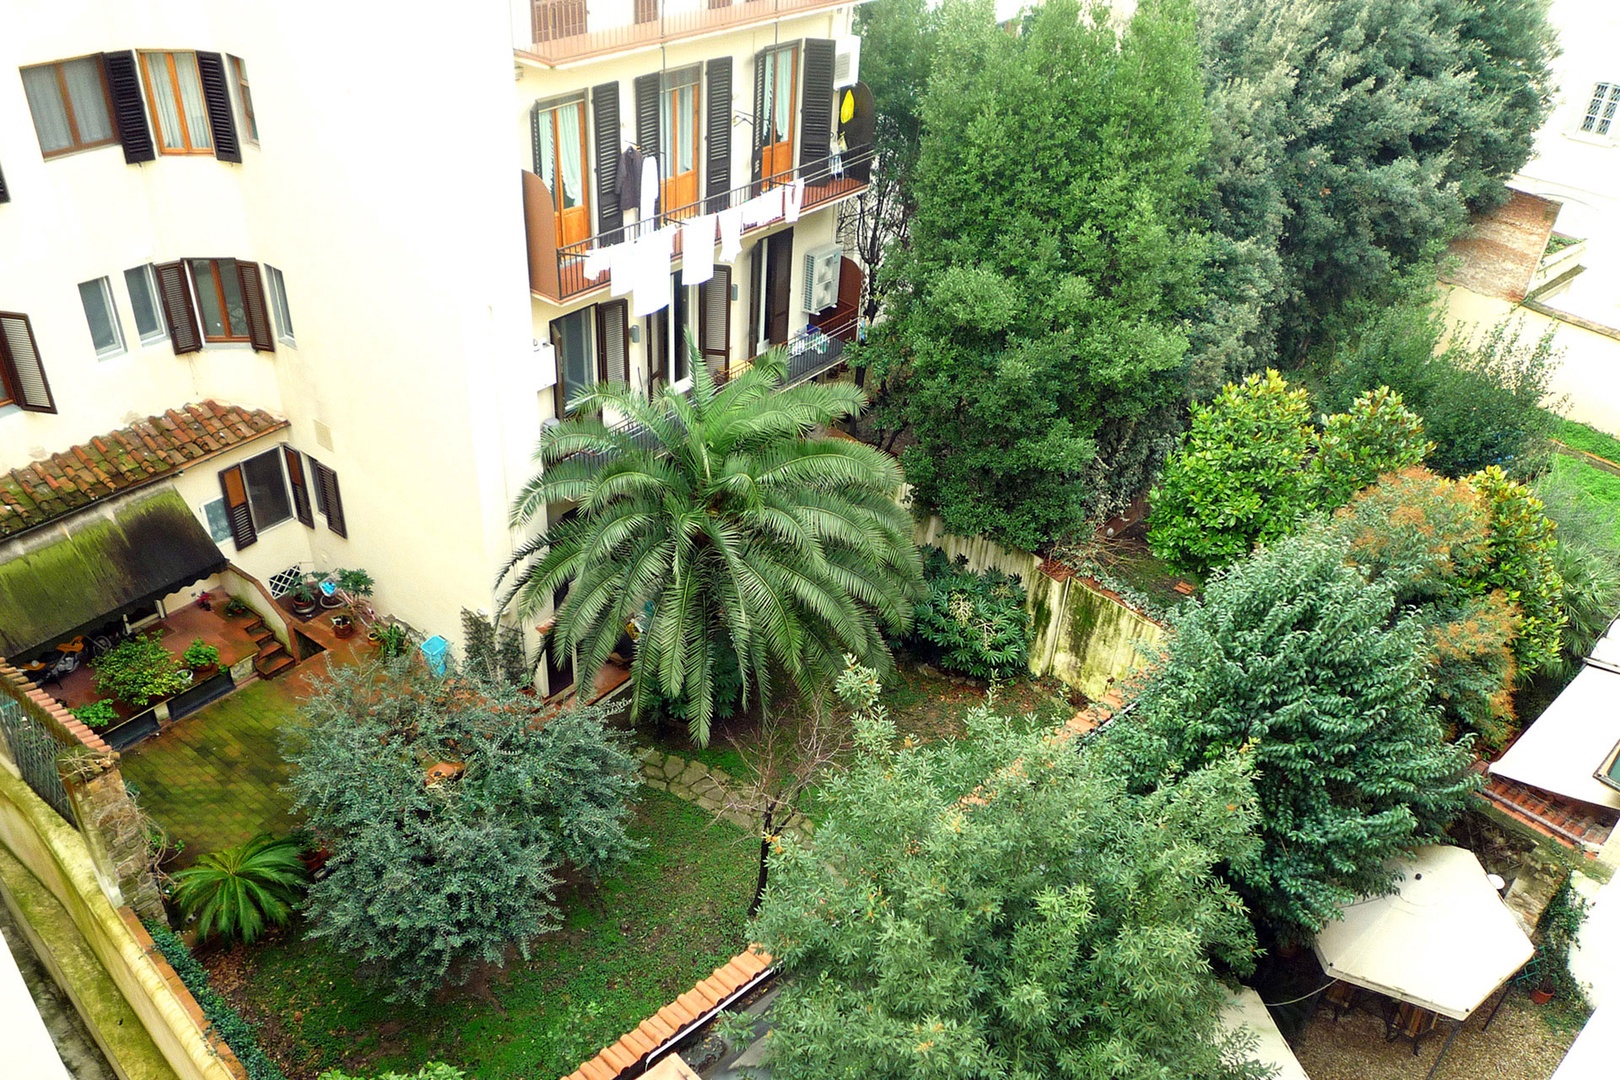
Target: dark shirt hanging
{"points": [[630, 180]]}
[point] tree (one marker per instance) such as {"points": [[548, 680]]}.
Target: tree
{"points": [[239, 891], [1348, 137], [725, 525], [1298, 661], [1587, 558], [1039, 308], [1001, 906], [1251, 467], [1522, 547], [450, 810]]}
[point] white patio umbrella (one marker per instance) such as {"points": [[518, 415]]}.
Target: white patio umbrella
{"points": [[1444, 942]]}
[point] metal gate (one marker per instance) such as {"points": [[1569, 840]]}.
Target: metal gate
{"points": [[35, 752]]}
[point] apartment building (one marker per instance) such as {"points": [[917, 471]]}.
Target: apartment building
{"points": [[322, 272]]}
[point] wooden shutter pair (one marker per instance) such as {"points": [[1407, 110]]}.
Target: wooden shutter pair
{"points": [[20, 370], [185, 332], [328, 498], [613, 341], [714, 316], [605, 126], [718, 131], [816, 106]]}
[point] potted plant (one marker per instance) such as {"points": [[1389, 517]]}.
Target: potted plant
{"points": [[201, 657], [235, 608], [343, 625], [355, 582], [96, 714], [139, 670], [1544, 990], [303, 597], [391, 640]]}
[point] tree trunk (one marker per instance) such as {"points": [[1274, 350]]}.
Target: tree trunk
{"points": [[764, 858]]}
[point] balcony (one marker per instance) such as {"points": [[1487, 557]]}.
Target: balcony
{"points": [[567, 30], [557, 271]]}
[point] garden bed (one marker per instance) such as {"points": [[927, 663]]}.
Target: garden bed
{"points": [[628, 947]]}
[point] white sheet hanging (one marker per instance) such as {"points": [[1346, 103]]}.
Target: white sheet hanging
{"points": [[795, 201], [654, 252], [697, 250], [731, 227]]}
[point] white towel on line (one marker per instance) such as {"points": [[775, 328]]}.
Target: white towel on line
{"points": [[795, 201], [653, 256], [597, 263], [649, 187], [731, 227], [697, 250], [622, 266]]}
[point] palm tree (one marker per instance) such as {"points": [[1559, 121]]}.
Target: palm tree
{"points": [[237, 892], [729, 526]]}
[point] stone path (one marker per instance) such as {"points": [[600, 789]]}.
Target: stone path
{"points": [[712, 789]]}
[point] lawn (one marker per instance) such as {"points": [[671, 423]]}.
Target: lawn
{"points": [[1598, 488], [645, 936], [1585, 437], [214, 779]]}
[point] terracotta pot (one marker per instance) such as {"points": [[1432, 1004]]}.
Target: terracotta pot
{"points": [[1541, 995], [343, 626]]}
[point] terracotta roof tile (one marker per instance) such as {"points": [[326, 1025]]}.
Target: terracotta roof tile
{"points": [[1572, 823], [115, 461]]}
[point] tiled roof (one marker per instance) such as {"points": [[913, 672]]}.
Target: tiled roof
{"points": [[1501, 250], [1571, 822], [119, 460], [675, 1019]]}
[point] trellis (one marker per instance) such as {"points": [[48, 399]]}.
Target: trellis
{"points": [[35, 749]]}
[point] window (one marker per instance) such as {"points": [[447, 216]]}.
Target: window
{"points": [[1600, 111], [245, 97], [278, 305], [219, 525], [174, 93], [776, 82], [576, 357], [22, 377], [559, 151], [102, 315], [255, 496], [678, 149], [219, 299], [143, 301], [69, 103]]}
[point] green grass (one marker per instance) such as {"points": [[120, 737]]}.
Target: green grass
{"points": [[214, 779], [1598, 488], [1585, 437], [647, 935]]}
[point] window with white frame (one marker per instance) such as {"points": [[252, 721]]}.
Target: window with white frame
{"points": [[143, 302], [1600, 110], [102, 315], [278, 305]]}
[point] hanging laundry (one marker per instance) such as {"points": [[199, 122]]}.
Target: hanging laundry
{"points": [[597, 263], [795, 201], [697, 250], [649, 190], [629, 180], [762, 208], [654, 253], [731, 227], [622, 268]]}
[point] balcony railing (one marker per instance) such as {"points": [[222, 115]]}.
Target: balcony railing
{"points": [[562, 30], [557, 271]]}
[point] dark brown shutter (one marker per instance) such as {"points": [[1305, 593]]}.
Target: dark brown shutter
{"points": [[762, 126], [718, 130], [5, 195], [648, 87], [211, 71], [816, 108], [326, 484], [605, 124], [613, 341], [714, 316], [129, 107], [184, 333], [258, 315], [300, 491], [237, 511], [24, 373]]}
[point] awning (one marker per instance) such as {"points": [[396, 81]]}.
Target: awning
{"points": [[1245, 1010], [1444, 942], [1596, 1049], [1575, 734], [115, 556]]}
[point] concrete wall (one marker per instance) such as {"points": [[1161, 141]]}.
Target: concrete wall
{"points": [[1082, 634]]}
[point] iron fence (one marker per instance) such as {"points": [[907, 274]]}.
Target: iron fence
{"points": [[34, 749]]}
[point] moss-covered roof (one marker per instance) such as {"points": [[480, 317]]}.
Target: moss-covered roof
{"points": [[119, 554], [149, 449]]}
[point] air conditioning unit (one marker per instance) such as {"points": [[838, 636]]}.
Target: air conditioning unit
{"points": [[847, 62], [821, 269]]}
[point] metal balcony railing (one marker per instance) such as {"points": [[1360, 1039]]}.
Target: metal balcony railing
{"points": [[823, 183], [562, 30]]}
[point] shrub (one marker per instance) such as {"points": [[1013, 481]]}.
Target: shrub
{"points": [[223, 1020], [972, 623], [200, 654], [137, 670], [237, 892], [97, 713], [1522, 541], [433, 1070], [391, 641]]}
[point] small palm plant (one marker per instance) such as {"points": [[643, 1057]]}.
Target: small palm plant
{"points": [[725, 521], [236, 893]]}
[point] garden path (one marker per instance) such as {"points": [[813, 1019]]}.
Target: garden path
{"points": [[710, 788]]}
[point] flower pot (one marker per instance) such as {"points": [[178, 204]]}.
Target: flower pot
{"points": [[331, 602], [1541, 994], [304, 608], [343, 626]]}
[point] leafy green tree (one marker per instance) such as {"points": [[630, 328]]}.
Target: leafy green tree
{"points": [[1522, 545], [1251, 467], [240, 891], [1001, 906], [450, 812], [974, 623], [729, 526], [1587, 558], [1295, 659], [1039, 309]]}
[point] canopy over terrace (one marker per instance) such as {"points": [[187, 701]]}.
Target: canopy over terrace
{"points": [[115, 556], [1443, 942], [1244, 1009]]}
